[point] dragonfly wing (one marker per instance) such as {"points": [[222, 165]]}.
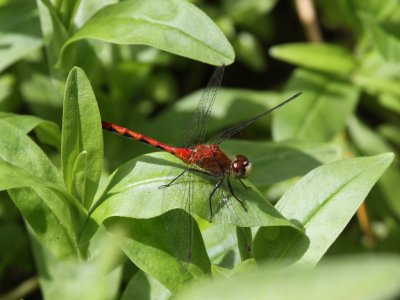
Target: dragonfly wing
{"points": [[198, 123], [227, 133]]}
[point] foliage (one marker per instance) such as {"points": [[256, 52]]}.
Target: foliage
{"points": [[96, 235]]}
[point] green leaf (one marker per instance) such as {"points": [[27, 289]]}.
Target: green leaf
{"points": [[48, 132], [174, 26], [133, 191], [18, 149], [20, 31], [143, 286], [385, 37], [320, 112], [37, 191], [364, 277], [161, 253], [81, 131], [328, 58], [323, 201]]}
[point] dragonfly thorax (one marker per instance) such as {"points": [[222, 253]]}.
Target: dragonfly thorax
{"points": [[241, 167]]}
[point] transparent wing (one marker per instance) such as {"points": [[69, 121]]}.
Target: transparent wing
{"points": [[227, 133], [197, 126]]}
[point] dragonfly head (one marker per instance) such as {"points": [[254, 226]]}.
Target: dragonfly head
{"points": [[241, 167]]}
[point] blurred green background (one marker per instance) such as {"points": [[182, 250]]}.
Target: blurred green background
{"points": [[346, 62]]}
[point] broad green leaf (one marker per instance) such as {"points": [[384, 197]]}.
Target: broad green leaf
{"points": [[363, 277], [133, 191], [143, 286], [328, 58], [81, 131], [319, 113], [48, 132], [275, 162], [20, 31], [385, 37], [323, 202], [173, 26], [161, 253]]}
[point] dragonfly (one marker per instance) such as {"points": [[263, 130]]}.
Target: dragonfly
{"points": [[201, 157]]}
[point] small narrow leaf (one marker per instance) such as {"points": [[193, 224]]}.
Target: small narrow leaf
{"points": [[320, 57], [175, 26]]}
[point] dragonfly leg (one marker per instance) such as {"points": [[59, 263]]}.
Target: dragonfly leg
{"points": [[187, 170], [216, 187], [173, 180], [233, 194], [245, 186]]}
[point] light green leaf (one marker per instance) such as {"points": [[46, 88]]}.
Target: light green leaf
{"points": [[320, 57], [81, 131], [358, 278], [48, 132], [319, 113], [174, 26], [323, 201]]}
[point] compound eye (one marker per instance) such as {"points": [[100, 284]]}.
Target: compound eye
{"points": [[241, 167]]}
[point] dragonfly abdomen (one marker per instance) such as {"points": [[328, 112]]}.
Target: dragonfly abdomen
{"points": [[181, 153]]}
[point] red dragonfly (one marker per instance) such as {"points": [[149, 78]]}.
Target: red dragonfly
{"points": [[205, 158]]}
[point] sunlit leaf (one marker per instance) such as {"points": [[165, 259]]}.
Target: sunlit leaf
{"points": [[174, 26]]}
